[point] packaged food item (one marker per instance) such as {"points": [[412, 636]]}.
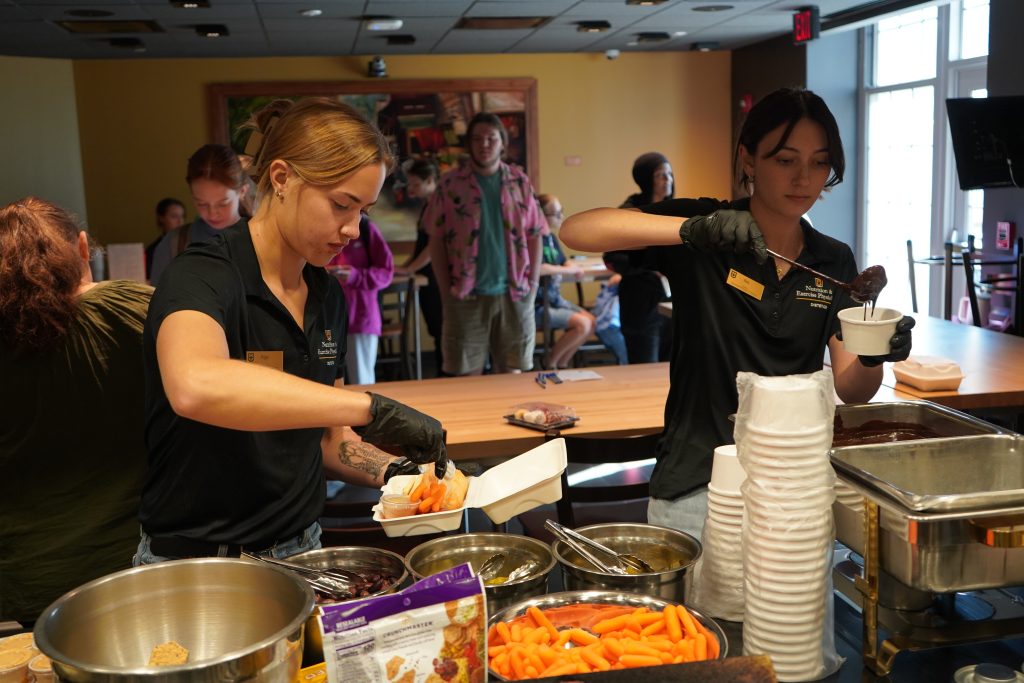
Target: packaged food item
{"points": [[432, 632], [504, 491], [541, 415], [929, 373]]}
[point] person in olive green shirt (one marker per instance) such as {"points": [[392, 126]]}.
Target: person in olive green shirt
{"points": [[72, 457]]}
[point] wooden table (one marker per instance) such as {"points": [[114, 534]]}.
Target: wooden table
{"points": [[629, 400], [992, 362]]}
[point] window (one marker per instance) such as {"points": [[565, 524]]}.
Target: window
{"points": [[916, 60]]}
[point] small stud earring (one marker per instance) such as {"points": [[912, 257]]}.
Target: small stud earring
{"points": [[279, 195]]}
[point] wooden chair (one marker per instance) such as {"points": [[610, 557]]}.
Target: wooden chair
{"points": [[400, 334], [625, 500]]}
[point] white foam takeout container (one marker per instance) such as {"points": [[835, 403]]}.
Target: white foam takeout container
{"points": [[929, 373], [504, 491]]}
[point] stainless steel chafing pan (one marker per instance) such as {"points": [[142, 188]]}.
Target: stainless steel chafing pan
{"points": [[968, 498], [927, 417]]}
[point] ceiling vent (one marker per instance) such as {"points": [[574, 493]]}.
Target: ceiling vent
{"points": [[652, 37], [592, 26], [501, 23], [116, 26], [133, 44], [400, 39], [88, 13], [212, 30]]}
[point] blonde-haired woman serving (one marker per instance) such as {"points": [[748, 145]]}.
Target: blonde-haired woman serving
{"points": [[244, 351]]}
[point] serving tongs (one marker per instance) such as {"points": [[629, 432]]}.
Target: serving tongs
{"points": [[336, 584], [583, 545]]}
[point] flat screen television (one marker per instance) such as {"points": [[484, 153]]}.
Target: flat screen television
{"points": [[988, 141]]}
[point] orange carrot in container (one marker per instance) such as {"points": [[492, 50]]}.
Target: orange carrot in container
{"points": [[425, 505], [613, 624], [581, 637], [687, 621], [701, 647], [640, 660], [594, 659], [542, 621], [672, 626], [504, 633], [654, 627]]}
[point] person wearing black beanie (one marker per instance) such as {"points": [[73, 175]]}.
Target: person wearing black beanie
{"points": [[648, 334]]}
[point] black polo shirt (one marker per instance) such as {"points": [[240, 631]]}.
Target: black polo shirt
{"points": [[722, 325], [222, 485]]}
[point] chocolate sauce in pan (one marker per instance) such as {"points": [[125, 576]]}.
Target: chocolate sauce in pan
{"points": [[879, 431]]}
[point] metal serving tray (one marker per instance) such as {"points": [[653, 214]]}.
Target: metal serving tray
{"points": [[941, 475], [931, 420]]}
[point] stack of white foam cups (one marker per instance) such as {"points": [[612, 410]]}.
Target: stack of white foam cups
{"points": [[783, 435], [718, 574]]}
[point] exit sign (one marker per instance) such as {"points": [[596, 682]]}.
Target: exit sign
{"points": [[806, 24]]}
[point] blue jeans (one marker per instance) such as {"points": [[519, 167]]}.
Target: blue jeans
{"points": [[309, 539], [686, 513], [613, 340]]}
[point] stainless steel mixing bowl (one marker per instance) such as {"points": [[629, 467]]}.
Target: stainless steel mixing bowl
{"points": [[448, 551], [358, 559], [672, 553], [239, 620], [602, 598]]}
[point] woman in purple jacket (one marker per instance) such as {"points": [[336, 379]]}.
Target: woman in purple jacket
{"points": [[364, 267]]}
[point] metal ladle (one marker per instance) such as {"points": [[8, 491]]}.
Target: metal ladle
{"points": [[864, 288]]}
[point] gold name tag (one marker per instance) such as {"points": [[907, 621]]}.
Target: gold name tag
{"points": [[268, 359], [744, 284]]}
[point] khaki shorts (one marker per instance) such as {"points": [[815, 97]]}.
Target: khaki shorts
{"points": [[480, 325]]}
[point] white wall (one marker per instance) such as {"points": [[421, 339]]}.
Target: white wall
{"points": [[41, 154]]}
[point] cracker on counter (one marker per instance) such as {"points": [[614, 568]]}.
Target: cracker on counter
{"points": [[170, 653], [408, 677]]}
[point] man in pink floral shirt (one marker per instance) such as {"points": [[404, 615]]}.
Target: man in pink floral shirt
{"points": [[485, 230]]}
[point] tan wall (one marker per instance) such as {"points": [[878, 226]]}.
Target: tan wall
{"points": [[141, 119], [39, 133]]}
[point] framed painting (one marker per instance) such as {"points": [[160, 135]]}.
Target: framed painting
{"points": [[420, 118]]}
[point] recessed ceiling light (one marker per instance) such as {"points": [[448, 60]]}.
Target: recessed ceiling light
{"points": [[190, 4], [382, 24], [645, 3], [704, 47], [712, 8], [89, 13], [592, 26], [212, 30], [310, 12], [679, 33]]}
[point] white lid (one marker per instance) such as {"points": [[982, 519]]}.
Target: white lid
{"points": [[504, 491]]}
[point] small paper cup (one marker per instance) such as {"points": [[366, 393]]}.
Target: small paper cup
{"points": [[868, 337], [41, 669], [14, 664], [726, 472]]}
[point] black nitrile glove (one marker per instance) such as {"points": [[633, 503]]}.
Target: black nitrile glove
{"points": [[400, 466], [725, 229], [899, 345], [419, 436]]}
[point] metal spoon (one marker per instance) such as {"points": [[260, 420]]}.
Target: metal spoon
{"points": [[864, 288]]}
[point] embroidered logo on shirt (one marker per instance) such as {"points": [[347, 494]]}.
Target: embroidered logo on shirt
{"points": [[817, 295], [327, 353]]}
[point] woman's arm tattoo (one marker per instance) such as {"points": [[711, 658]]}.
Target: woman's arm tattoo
{"points": [[365, 457]]}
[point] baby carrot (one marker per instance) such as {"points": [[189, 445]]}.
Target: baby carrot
{"points": [[634, 648], [417, 493], [654, 627], [672, 625], [516, 660], [425, 505], [687, 621], [640, 660], [517, 633], [504, 633], [712, 639], [613, 647], [613, 624], [701, 647], [542, 621], [594, 659], [495, 650], [648, 618], [581, 637]]}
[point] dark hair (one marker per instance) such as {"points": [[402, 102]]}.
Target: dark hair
{"points": [[424, 169], [786, 106], [220, 163], [644, 168], [41, 269], [488, 119], [165, 204]]}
